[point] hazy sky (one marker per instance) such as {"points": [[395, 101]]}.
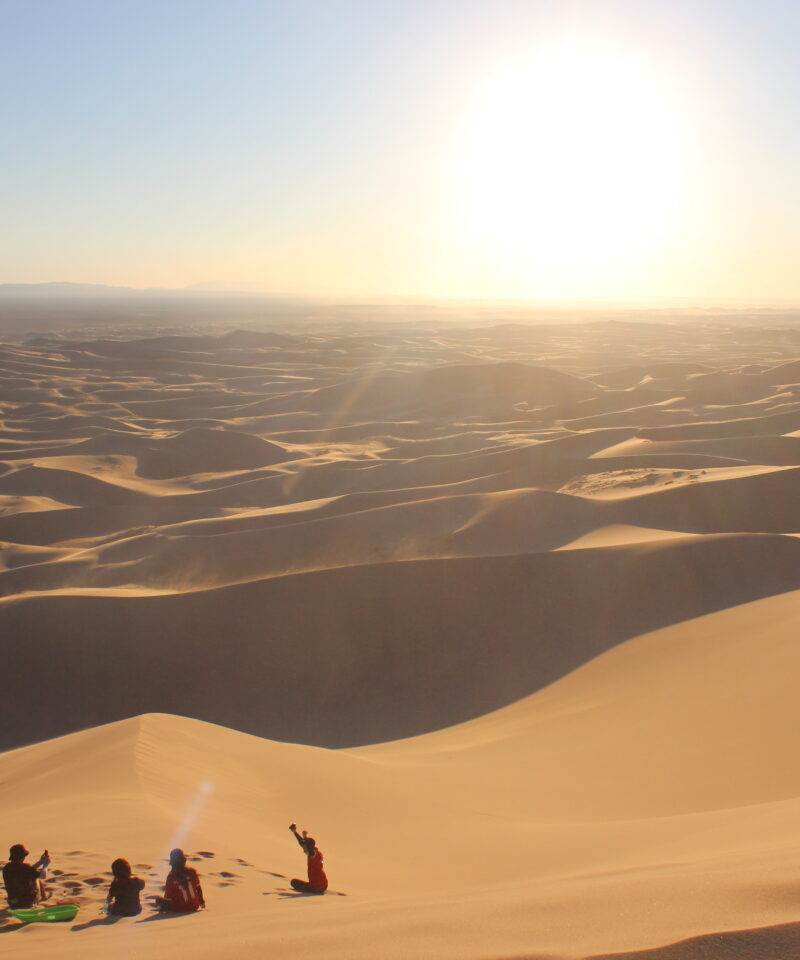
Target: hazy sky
{"points": [[477, 148]]}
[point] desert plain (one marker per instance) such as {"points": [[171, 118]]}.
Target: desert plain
{"points": [[505, 614]]}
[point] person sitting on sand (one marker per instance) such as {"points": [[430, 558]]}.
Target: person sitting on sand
{"points": [[24, 881], [183, 893], [317, 881], [123, 894]]}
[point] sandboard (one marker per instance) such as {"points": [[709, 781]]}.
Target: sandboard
{"points": [[58, 913]]}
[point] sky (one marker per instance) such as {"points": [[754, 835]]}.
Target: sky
{"points": [[412, 148]]}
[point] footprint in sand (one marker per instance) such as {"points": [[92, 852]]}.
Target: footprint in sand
{"points": [[94, 881], [243, 863], [142, 866], [205, 853]]}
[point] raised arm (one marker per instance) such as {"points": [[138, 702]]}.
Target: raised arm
{"points": [[298, 838]]}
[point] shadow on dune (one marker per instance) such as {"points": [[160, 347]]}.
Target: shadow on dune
{"points": [[384, 651], [8, 923], [293, 895], [780, 942], [165, 915], [96, 922]]}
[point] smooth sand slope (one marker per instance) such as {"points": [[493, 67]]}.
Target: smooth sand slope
{"points": [[650, 797]]}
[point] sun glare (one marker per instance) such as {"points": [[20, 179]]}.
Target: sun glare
{"points": [[573, 168]]}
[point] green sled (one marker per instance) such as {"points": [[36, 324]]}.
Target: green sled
{"points": [[55, 914]]}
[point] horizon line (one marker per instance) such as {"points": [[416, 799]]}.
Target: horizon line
{"points": [[211, 288]]}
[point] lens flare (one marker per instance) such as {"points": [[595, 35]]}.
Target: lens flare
{"points": [[192, 812]]}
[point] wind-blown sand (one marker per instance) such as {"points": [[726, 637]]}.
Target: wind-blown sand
{"points": [[539, 587]]}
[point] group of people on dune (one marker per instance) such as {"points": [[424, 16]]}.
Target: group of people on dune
{"points": [[24, 882]]}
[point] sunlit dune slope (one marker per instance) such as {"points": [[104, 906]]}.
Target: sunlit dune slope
{"points": [[650, 797]]}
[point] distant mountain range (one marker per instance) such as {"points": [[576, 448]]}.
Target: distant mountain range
{"points": [[41, 307], [67, 290]]}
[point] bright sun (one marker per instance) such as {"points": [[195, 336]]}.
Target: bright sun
{"points": [[573, 167]]}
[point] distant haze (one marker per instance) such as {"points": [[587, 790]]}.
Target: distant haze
{"points": [[30, 309]]}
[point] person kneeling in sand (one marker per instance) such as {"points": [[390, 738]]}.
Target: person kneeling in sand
{"points": [[123, 894], [24, 882], [183, 893], [317, 881]]}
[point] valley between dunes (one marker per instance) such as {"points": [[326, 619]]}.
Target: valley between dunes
{"points": [[506, 616]]}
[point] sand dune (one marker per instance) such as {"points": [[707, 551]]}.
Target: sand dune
{"points": [[72, 487], [207, 451], [394, 649], [142, 501], [641, 829], [472, 560], [453, 387], [770, 424], [771, 450]]}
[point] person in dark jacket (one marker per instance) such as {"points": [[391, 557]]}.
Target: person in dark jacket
{"points": [[317, 881], [123, 894], [24, 881], [182, 893]]}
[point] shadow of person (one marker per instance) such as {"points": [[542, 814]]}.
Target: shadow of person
{"points": [[9, 923], [104, 921], [167, 915], [292, 895]]}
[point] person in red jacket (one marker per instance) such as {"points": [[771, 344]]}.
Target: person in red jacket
{"points": [[317, 881], [183, 893]]}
